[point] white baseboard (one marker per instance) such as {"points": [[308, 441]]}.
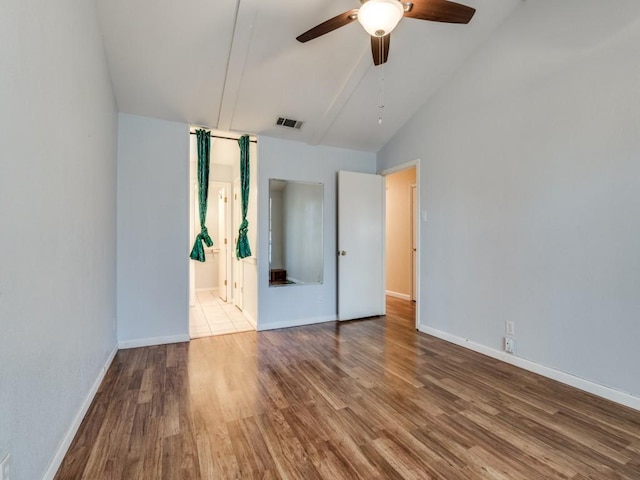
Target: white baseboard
{"points": [[62, 449], [206, 289], [147, 342], [297, 323], [608, 393], [250, 319], [403, 296]]}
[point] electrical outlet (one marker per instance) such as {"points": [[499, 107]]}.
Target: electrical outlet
{"points": [[5, 468], [510, 328], [509, 345]]}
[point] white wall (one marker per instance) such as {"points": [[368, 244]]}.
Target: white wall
{"points": [[297, 305], [153, 231], [57, 224], [531, 185]]}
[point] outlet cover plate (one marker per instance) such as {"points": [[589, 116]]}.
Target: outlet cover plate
{"points": [[509, 345]]}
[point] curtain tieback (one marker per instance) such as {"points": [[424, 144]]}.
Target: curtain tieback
{"points": [[197, 253], [244, 227], [204, 236]]}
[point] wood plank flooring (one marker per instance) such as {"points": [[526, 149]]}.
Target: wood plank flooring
{"points": [[359, 400]]}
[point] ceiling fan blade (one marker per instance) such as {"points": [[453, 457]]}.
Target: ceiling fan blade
{"points": [[329, 26], [440, 11], [380, 49]]}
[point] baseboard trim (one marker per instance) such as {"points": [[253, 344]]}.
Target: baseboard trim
{"points": [[297, 323], [403, 296], [588, 386], [250, 319], [55, 463], [148, 342]]}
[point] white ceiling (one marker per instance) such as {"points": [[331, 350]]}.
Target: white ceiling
{"points": [[234, 65]]}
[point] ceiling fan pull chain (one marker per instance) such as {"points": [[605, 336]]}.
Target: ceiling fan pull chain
{"points": [[381, 85]]}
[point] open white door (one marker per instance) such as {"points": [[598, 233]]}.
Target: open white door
{"points": [[222, 245], [360, 245]]}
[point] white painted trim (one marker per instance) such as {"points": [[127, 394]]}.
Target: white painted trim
{"points": [[147, 342], [297, 323], [585, 385], [205, 289], [64, 445], [403, 296], [400, 167], [249, 319]]}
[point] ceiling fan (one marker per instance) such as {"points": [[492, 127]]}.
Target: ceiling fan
{"points": [[380, 17]]}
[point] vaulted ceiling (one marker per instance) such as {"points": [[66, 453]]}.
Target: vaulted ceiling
{"points": [[235, 65]]}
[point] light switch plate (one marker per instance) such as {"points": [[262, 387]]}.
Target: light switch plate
{"points": [[510, 328]]}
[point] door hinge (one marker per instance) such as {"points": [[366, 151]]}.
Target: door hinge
{"points": [[225, 283], [225, 199], [235, 196], [225, 241], [235, 285]]}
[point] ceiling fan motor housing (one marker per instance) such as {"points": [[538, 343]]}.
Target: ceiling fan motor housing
{"points": [[380, 17]]}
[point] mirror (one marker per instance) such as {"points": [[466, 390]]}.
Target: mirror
{"points": [[295, 232]]}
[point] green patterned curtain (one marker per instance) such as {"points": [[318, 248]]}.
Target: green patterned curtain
{"points": [[242, 247], [204, 141]]}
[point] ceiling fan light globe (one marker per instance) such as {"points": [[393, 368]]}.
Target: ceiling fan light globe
{"points": [[380, 17]]}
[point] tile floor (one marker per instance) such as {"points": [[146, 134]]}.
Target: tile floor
{"points": [[212, 316]]}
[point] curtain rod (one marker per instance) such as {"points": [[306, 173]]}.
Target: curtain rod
{"points": [[224, 138]]}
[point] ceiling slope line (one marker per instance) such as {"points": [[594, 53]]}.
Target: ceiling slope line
{"points": [[355, 76], [238, 53]]}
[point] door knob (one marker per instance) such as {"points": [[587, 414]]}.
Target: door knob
{"points": [[342, 252]]}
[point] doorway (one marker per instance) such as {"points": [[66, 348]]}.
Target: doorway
{"points": [[402, 210], [213, 305]]}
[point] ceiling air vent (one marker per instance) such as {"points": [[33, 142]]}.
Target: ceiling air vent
{"points": [[287, 122]]}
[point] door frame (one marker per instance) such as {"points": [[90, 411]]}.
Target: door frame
{"points": [[413, 200], [228, 232], [237, 273], [398, 168]]}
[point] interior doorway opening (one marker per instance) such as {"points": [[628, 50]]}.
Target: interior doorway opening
{"points": [[402, 232], [216, 286]]}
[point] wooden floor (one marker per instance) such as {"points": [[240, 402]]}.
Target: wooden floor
{"points": [[364, 399]]}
